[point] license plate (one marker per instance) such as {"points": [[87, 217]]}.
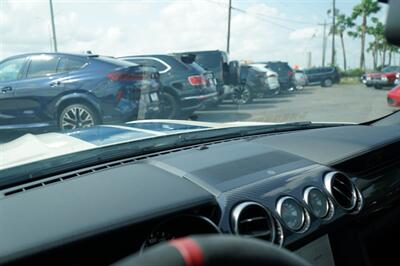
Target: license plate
{"points": [[154, 97]]}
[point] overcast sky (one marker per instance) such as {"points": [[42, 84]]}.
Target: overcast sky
{"points": [[266, 30]]}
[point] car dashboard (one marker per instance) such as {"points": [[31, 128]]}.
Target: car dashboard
{"points": [[328, 194]]}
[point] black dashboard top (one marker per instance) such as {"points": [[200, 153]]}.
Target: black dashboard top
{"points": [[262, 169], [331, 145]]}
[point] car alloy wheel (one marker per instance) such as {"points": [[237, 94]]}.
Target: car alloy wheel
{"points": [[241, 95], [77, 116], [328, 83]]}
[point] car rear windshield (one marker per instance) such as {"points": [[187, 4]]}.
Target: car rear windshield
{"points": [[194, 65], [209, 60], [197, 67]]}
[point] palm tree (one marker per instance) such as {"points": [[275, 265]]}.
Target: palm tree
{"points": [[340, 27], [377, 46], [372, 49], [363, 10]]}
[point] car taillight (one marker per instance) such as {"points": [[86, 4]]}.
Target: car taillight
{"points": [[197, 80], [123, 76]]}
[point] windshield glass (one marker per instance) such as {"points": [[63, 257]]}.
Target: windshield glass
{"points": [[69, 80]]}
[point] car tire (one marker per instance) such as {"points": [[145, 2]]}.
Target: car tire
{"points": [[377, 87], [78, 115], [242, 94], [327, 83], [170, 108]]}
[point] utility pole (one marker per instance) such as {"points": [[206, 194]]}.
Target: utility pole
{"points": [[53, 26], [324, 43], [229, 27], [309, 60], [334, 31]]}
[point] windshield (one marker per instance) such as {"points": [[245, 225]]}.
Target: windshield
{"points": [[391, 69], [80, 75]]}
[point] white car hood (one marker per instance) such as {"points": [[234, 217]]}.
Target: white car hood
{"points": [[30, 148]]}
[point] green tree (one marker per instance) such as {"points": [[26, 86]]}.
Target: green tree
{"points": [[378, 44], [363, 10]]}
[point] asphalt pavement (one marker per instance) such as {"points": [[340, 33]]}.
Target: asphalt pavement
{"points": [[339, 103]]}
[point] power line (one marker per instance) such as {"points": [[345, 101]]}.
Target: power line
{"points": [[269, 17], [264, 19], [283, 19]]}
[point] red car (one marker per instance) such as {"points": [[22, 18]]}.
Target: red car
{"points": [[386, 78], [393, 96]]}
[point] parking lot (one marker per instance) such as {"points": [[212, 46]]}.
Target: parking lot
{"points": [[343, 103], [340, 103]]}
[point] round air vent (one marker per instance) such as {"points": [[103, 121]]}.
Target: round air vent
{"points": [[342, 190], [253, 220]]}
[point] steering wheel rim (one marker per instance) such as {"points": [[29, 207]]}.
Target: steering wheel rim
{"points": [[215, 250]]}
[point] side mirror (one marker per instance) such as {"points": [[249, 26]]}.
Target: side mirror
{"points": [[392, 29]]}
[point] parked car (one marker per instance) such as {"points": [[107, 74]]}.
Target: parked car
{"points": [[74, 90], [186, 85], [300, 78], [393, 97], [271, 80], [256, 81], [386, 78], [226, 72], [324, 76], [285, 74]]}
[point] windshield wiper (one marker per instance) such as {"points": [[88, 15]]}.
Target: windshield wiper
{"points": [[74, 161]]}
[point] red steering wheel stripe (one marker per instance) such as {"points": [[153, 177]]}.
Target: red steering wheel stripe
{"points": [[190, 251]]}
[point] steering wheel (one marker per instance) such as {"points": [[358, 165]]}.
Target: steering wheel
{"points": [[215, 250]]}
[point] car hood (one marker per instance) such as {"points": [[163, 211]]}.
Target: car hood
{"points": [[30, 148], [378, 75]]}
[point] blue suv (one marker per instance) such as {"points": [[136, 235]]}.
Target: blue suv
{"points": [[74, 90]]}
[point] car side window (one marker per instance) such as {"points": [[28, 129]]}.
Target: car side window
{"points": [[11, 69], [68, 64], [42, 65]]}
